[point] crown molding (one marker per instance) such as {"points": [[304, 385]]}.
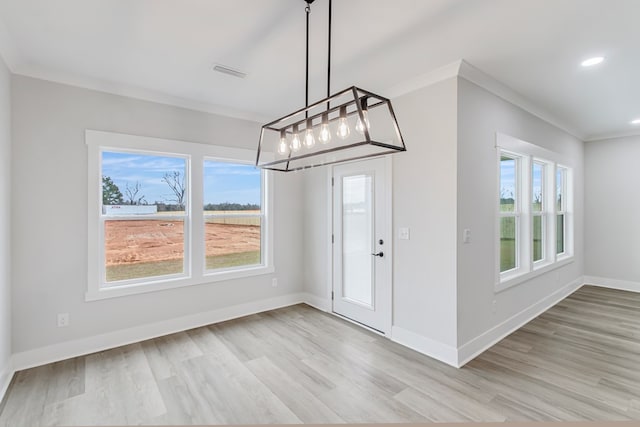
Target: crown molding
{"points": [[424, 80], [462, 68], [130, 91], [488, 82], [613, 135]]}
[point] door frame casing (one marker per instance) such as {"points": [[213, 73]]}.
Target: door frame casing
{"points": [[389, 247]]}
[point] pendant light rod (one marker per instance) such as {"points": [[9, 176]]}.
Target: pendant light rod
{"points": [[329, 57], [306, 78]]}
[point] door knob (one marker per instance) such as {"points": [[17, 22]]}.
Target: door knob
{"points": [[380, 254]]}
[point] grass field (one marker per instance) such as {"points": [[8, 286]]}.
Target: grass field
{"points": [[175, 266]]}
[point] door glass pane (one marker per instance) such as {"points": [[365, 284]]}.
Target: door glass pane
{"points": [[507, 243], [357, 236], [507, 184], [538, 243], [560, 234]]}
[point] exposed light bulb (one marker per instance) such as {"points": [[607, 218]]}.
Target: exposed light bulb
{"points": [[295, 142], [309, 138], [282, 147], [343, 127], [361, 126], [325, 132]]}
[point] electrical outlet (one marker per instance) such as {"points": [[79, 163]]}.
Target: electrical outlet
{"points": [[274, 282], [63, 320]]}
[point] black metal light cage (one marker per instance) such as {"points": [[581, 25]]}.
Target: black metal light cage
{"points": [[372, 131]]}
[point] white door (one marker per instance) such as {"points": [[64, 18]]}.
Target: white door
{"points": [[362, 242]]}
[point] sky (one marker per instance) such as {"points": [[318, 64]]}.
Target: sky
{"points": [[224, 182]]}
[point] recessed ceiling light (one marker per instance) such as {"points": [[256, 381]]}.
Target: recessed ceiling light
{"points": [[592, 61], [635, 122]]}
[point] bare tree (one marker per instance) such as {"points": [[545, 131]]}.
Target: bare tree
{"points": [[131, 194], [176, 183]]}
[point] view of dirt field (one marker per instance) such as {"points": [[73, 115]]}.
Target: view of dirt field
{"points": [[144, 248]]}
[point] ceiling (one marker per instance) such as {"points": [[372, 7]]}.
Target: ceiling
{"points": [[165, 50]]}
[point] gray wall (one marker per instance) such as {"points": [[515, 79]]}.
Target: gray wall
{"points": [[481, 114], [5, 224], [424, 196], [424, 200], [612, 242], [50, 247]]}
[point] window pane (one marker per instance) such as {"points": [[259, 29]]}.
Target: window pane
{"points": [[142, 184], [560, 174], [233, 216], [538, 240], [143, 248], [508, 191], [537, 180], [507, 243], [560, 234]]}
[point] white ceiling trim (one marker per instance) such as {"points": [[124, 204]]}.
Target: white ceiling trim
{"points": [[133, 92], [426, 79], [462, 68], [485, 81], [614, 135]]}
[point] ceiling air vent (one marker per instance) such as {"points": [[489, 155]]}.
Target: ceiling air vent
{"points": [[230, 71]]}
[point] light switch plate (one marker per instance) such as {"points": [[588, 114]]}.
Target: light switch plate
{"points": [[403, 233]]}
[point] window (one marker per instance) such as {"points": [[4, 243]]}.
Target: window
{"points": [[509, 212], [538, 206], [534, 205], [166, 214], [561, 182], [232, 215], [144, 216]]}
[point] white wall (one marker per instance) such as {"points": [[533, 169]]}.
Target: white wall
{"points": [[481, 114], [50, 249], [317, 236], [612, 205], [424, 200], [424, 197], [5, 226]]}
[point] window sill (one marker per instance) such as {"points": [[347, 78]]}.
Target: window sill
{"points": [[524, 277], [181, 282]]}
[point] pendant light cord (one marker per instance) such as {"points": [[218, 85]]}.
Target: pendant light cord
{"points": [[306, 91], [329, 58]]}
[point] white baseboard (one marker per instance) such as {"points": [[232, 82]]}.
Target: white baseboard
{"points": [[424, 345], [5, 378], [65, 350], [322, 304], [482, 342], [603, 282]]}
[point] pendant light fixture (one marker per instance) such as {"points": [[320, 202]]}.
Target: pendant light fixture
{"points": [[348, 125]]}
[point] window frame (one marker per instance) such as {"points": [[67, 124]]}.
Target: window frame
{"points": [[194, 272], [530, 155], [517, 213], [563, 211]]}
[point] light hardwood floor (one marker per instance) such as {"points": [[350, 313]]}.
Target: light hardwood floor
{"points": [[578, 361]]}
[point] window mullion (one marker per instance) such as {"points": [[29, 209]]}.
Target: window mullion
{"points": [[197, 227]]}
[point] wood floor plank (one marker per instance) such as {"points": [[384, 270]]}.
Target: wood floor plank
{"points": [[579, 360]]}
